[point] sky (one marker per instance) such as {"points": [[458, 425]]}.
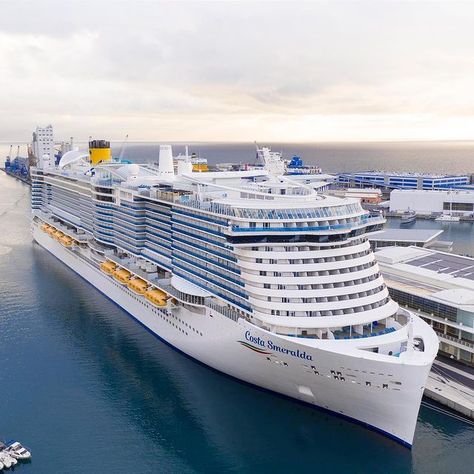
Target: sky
{"points": [[238, 71]]}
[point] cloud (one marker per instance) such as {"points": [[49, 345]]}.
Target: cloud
{"points": [[237, 70]]}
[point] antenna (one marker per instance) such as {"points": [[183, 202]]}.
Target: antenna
{"points": [[122, 149]]}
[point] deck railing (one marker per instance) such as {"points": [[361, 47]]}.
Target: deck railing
{"points": [[225, 310], [368, 221], [463, 342]]}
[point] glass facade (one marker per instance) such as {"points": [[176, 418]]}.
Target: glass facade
{"points": [[424, 304]]}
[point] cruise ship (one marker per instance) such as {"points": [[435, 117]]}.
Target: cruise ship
{"points": [[252, 273]]}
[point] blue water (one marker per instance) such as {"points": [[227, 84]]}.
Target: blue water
{"points": [[439, 157], [461, 234], [89, 390]]}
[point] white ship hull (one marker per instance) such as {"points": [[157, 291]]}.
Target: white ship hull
{"points": [[330, 380]]}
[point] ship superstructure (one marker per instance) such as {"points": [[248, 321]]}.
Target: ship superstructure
{"points": [[250, 272]]}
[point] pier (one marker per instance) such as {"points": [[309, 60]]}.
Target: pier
{"points": [[24, 179], [432, 216], [452, 387]]}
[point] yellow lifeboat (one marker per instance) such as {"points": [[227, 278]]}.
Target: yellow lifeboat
{"points": [[51, 230], [108, 267], [45, 227], [156, 296], [137, 285], [66, 240], [122, 275], [58, 234]]}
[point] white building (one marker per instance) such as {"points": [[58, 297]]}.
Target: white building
{"points": [[43, 143], [404, 180], [439, 287], [366, 195], [432, 202]]}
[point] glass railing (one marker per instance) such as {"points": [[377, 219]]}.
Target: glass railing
{"points": [[366, 221], [225, 310], [277, 214]]}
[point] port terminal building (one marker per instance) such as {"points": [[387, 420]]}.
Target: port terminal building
{"points": [[439, 287], [456, 202], [381, 179], [409, 237]]}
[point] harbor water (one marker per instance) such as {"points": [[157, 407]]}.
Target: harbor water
{"points": [[88, 390], [427, 157], [461, 234]]}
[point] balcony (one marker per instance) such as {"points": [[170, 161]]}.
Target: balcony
{"points": [[225, 310], [336, 227]]}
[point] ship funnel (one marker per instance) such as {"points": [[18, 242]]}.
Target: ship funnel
{"points": [[166, 160], [99, 151]]}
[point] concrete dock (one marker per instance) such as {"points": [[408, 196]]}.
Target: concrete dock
{"points": [[25, 179], [452, 387], [463, 218]]}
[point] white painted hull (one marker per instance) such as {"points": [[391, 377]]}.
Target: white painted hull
{"points": [[231, 348]]}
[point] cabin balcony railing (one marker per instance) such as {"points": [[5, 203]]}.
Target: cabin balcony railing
{"points": [[367, 221], [225, 310]]}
